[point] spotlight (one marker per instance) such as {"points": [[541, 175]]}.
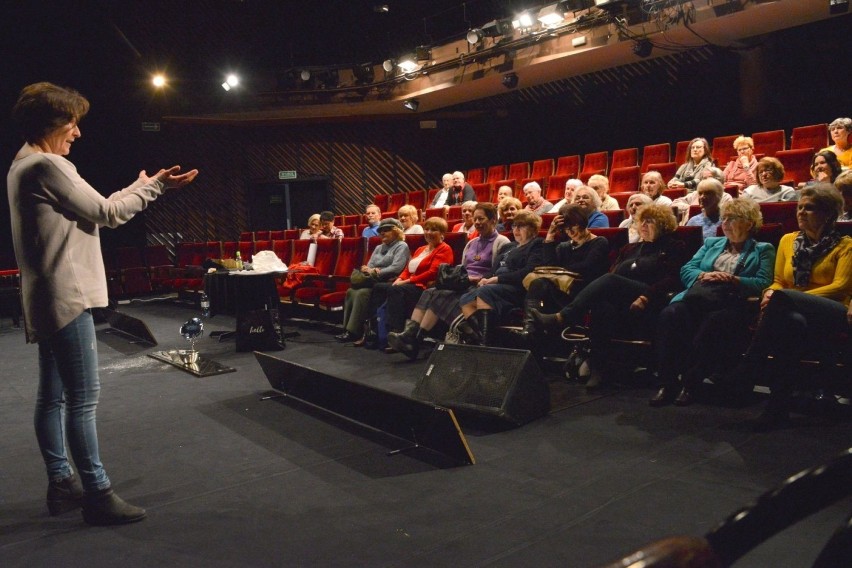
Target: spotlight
{"points": [[231, 81], [474, 36], [388, 65], [158, 80], [408, 63], [552, 16], [305, 75], [411, 104], [523, 21], [510, 80], [643, 47], [364, 73]]}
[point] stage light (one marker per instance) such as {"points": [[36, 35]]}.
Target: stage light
{"points": [[474, 36], [305, 75], [838, 6], [231, 81], [551, 16], [408, 63], [364, 73], [411, 104], [643, 47], [158, 80], [388, 65], [510, 80], [523, 21]]}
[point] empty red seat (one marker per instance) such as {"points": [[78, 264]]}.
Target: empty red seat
{"points": [[496, 173], [783, 212], [681, 152], [624, 157], [623, 180], [655, 154], [814, 136], [381, 200], [667, 170], [283, 249], [395, 201], [568, 166], [797, 164], [475, 175], [416, 198], [615, 216], [723, 149], [595, 162], [484, 191], [770, 142]]}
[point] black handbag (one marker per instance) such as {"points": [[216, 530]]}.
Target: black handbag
{"points": [[452, 277], [259, 330], [712, 296]]}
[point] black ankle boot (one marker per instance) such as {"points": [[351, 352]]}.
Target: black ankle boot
{"points": [[371, 337], [103, 508], [64, 495], [548, 323], [469, 330], [407, 341]]}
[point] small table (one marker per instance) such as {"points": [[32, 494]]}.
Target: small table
{"points": [[238, 292]]}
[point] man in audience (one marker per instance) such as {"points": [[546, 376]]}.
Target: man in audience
{"points": [[652, 185], [444, 192], [460, 191], [535, 201], [710, 192], [503, 192], [682, 204], [570, 187], [327, 228], [373, 215], [601, 184]]}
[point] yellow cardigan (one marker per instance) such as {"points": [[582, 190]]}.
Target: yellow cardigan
{"points": [[831, 276]]}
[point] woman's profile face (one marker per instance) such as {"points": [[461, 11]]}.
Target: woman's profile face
{"points": [[313, 225], [839, 135], [811, 219], [58, 141]]}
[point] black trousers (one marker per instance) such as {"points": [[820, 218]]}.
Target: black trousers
{"points": [[401, 301]]}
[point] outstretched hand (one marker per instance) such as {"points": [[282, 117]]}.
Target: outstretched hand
{"points": [[171, 178]]}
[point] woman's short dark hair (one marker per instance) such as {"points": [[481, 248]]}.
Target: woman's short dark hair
{"points": [[489, 209], [831, 160], [44, 107], [772, 165], [826, 198], [574, 216], [436, 224]]}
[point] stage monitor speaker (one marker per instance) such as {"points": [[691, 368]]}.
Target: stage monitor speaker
{"points": [[500, 383]]}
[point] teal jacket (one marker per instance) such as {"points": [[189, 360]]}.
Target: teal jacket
{"points": [[755, 275]]}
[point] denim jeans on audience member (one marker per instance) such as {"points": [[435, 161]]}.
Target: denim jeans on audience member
{"points": [[69, 389]]}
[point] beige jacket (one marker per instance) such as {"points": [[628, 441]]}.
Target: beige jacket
{"points": [[55, 219]]}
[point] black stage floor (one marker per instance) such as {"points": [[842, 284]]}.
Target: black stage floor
{"points": [[230, 480]]}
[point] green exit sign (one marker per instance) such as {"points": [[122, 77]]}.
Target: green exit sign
{"points": [[287, 174]]}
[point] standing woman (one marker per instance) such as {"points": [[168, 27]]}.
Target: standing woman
{"points": [[806, 304], [689, 174], [55, 219]]}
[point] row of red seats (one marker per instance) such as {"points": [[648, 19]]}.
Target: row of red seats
{"points": [[625, 169]]}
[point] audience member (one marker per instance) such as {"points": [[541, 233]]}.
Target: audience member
{"points": [[420, 273], [583, 253], [386, 262], [806, 305], [313, 230], [373, 215], [824, 168], [681, 205], [690, 173], [495, 296], [703, 328], [653, 185], [327, 228], [479, 258], [634, 202], [460, 192], [507, 209], [710, 192], [741, 172], [843, 183], [770, 172], [467, 225], [630, 296], [570, 186], [503, 192], [408, 216], [440, 198], [535, 200], [601, 185], [840, 130], [588, 200]]}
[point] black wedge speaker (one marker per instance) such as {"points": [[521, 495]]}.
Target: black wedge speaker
{"points": [[500, 383]]}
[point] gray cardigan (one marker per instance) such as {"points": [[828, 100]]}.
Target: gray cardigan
{"points": [[55, 219], [390, 259]]}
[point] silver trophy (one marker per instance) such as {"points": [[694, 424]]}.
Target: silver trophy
{"points": [[191, 330]]}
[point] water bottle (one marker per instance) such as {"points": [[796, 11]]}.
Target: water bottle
{"points": [[239, 261], [205, 305]]}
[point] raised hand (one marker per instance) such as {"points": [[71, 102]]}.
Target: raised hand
{"points": [[172, 178]]}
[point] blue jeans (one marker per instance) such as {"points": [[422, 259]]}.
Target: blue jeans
{"points": [[69, 388]]}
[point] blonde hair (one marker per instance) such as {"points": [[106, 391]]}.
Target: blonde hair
{"points": [[746, 209], [508, 202], [527, 218], [746, 139], [409, 210]]}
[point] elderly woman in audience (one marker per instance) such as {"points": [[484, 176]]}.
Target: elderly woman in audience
{"points": [[480, 258], [583, 253], [570, 186], [386, 262], [589, 201], [770, 172], [689, 174], [495, 296], [601, 185], [632, 294], [313, 230], [408, 216], [741, 172], [824, 168], [418, 274], [535, 200], [466, 225], [652, 185], [840, 130], [634, 202], [710, 192], [704, 327], [843, 183], [507, 209], [807, 304]]}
